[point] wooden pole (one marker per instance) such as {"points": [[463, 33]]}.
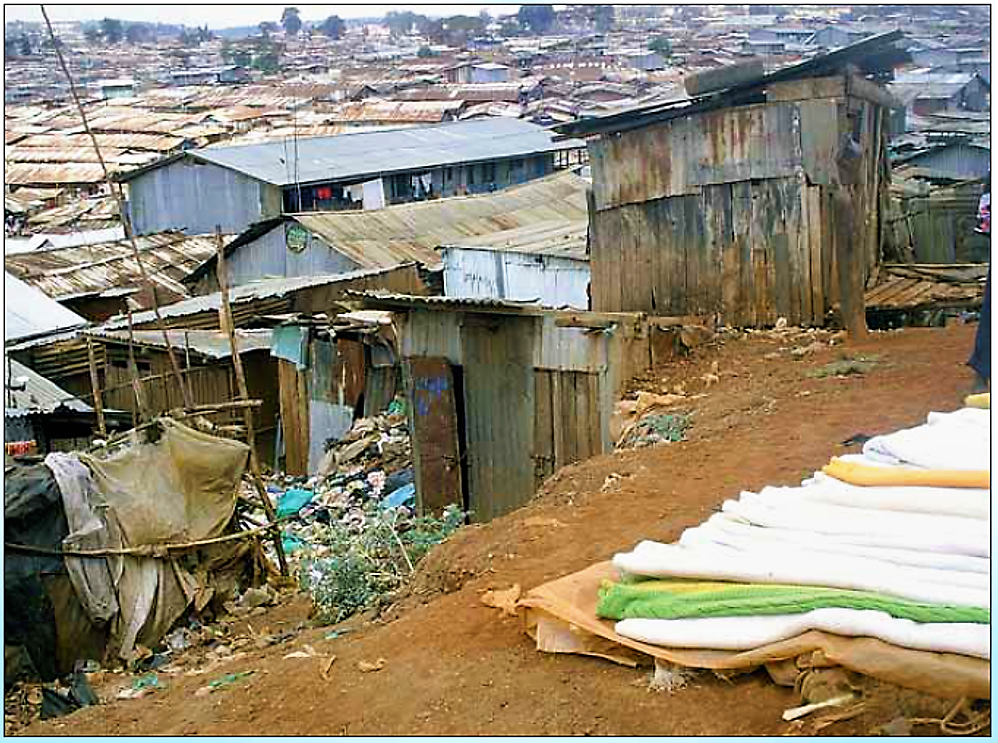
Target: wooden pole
{"points": [[237, 364], [133, 370], [95, 387], [126, 223]]}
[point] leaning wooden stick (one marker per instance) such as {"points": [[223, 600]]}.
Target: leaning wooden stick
{"points": [[225, 318], [95, 386]]}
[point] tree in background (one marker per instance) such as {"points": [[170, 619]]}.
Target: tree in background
{"points": [[24, 46], [111, 30], [661, 45], [537, 18], [92, 35], [424, 52], [291, 21], [333, 27], [267, 28], [402, 23]]}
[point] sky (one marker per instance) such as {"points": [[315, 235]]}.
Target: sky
{"points": [[220, 15]]}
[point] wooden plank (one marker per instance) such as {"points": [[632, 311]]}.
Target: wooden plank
{"points": [[582, 451], [803, 247], [859, 87], [677, 252], [435, 436], [568, 412], [595, 417], [544, 457], [819, 140], [558, 422], [693, 250], [809, 88], [722, 207]]}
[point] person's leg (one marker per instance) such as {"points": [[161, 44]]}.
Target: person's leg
{"points": [[980, 360]]}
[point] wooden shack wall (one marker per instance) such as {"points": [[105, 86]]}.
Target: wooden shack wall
{"points": [[729, 213]]}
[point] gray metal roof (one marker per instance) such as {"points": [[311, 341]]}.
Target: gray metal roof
{"points": [[39, 394], [27, 311], [353, 156]]}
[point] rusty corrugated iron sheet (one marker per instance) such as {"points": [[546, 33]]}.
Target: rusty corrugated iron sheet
{"points": [[411, 232], [424, 112], [81, 154], [125, 141], [47, 174], [93, 269]]}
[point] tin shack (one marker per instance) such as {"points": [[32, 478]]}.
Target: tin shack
{"points": [[750, 203]]}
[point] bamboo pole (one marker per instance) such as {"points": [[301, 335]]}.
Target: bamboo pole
{"points": [[119, 201], [237, 364], [95, 387]]}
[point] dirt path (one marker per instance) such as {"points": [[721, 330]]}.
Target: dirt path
{"points": [[456, 667]]}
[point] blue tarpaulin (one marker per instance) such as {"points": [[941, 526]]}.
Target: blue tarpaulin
{"points": [[290, 343]]}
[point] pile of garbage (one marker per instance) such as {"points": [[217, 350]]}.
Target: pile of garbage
{"points": [[650, 419], [350, 532]]}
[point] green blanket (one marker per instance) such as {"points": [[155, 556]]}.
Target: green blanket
{"points": [[678, 598]]}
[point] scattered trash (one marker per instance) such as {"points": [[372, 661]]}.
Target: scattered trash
{"points": [[367, 667], [221, 683], [896, 727], [141, 686], [292, 501], [178, 640], [505, 600], [307, 651], [797, 712], [857, 439], [404, 496], [328, 667], [337, 634], [540, 521]]}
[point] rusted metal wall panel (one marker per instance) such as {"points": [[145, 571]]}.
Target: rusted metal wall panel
{"points": [[679, 157], [430, 333], [499, 413]]}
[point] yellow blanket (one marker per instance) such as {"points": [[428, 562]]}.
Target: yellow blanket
{"points": [[855, 473], [982, 400]]}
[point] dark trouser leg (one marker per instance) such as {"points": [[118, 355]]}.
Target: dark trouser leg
{"points": [[980, 360]]}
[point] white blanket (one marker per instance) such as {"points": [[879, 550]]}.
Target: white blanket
{"points": [[745, 633], [965, 502], [947, 441], [723, 529], [974, 541], [800, 568]]}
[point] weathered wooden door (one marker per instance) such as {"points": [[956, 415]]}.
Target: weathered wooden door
{"points": [[433, 420]]}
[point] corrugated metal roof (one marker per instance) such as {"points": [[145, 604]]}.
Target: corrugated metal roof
{"points": [[396, 111], [100, 209], [64, 272], [211, 343], [125, 141], [39, 394], [28, 312], [389, 299], [546, 215], [254, 290], [372, 153], [83, 154], [24, 174]]}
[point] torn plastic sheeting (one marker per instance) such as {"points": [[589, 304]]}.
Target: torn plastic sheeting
{"points": [[292, 501], [561, 617], [182, 487], [290, 342]]}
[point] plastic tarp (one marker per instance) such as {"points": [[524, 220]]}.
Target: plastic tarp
{"points": [[561, 617], [179, 488]]}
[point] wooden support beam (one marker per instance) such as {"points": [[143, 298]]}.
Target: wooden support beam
{"points": [[95, 388], [225, 318]]}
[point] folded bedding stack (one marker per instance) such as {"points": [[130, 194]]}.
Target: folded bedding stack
{"points": [[893, 543]]}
